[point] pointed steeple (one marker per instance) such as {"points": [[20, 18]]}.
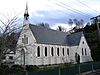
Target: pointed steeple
{"points": [[26, 15]]}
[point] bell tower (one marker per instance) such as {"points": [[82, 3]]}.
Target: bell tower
{"points": [[26, 16]]}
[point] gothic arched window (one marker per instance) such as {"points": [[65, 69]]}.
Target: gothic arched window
{"points": [[63, 51], [82, 52], [52, 51], [45, 51], [25, 39], [38, 51], [67, 51], [85, 52], [57, 51]]}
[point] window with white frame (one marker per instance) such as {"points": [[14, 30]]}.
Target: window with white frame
{"points": [[52, 53], [45, 51], [68, 51], [83, 42], [57, 51], [25, 39], [85, 52], [82, 52], [63, 51], [38, 51]]}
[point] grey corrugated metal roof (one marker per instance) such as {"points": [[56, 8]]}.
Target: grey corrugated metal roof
{"points": [[48, 36], [74, 39]]}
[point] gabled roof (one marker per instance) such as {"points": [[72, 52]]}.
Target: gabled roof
{"points": [[45, 35], [74, 39]]}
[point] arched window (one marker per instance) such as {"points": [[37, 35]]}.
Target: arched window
{"points": [[83, 42], [45, 51], [57, 51], [52, 51], [38, 51], [85, 52], [67, 51], [63, 51], [25, 39], [82, 52]]}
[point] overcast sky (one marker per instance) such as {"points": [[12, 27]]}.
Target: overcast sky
{"points": [[54, 12]]}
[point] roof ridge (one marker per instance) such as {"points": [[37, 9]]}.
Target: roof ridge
{"points": [[48, 28]]}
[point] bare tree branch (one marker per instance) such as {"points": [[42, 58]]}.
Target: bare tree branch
{"points": [[7, 39]]}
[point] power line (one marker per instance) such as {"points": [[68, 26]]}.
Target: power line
{"points": [[69, 8], [66, 13], [74, 8], [88, 6], [62, 7]]}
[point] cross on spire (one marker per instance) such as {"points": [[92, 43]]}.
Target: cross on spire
{"points": [[26, 15]]}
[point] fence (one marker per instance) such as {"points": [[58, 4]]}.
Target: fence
{"points": [[67, 70]]}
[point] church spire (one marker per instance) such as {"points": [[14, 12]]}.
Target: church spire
{"points": [[26, 15]]}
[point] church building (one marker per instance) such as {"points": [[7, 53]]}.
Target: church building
{"points": [[39, 45]]}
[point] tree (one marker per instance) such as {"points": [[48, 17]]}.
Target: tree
{"points": [[7, 39], [82, 23], [70, 22], [60, 28], [93, 21], [44, 25], [79, 24]]}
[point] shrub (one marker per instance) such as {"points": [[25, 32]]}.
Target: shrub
{"points": [[16, 68], [32, 68], [3, 69]]}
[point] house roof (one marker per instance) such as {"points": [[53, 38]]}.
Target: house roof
{"points": [[45, 35]]}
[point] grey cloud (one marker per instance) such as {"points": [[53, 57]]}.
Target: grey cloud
{"points": [[53, 17]]}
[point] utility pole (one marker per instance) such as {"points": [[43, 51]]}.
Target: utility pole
{"points": [[97, 20]]}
